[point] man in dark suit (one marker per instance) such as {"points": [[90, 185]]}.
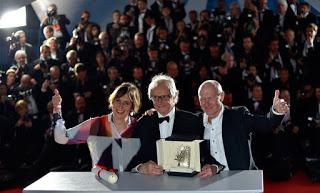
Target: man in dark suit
{"points": [[166, 121], [306, 17], [21, 44], [59, 24], [228, 129]]}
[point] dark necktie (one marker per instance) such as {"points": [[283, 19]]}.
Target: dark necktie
{"points": [[161, 119]]}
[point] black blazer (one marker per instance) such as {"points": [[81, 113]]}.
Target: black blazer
{"points": [[147, 129], [237, 124]]}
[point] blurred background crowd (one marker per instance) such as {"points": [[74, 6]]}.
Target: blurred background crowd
{"points": [[251, 51]]}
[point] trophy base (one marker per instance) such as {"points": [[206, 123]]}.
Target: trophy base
{"points": [[183, 174]]}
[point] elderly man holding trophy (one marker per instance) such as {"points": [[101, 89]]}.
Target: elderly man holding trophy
{"points": [[182, 130]]}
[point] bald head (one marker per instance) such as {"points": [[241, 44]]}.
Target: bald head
{"points": [[211, 96], [212, 84]]}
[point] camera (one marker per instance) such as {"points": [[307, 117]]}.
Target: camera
{"points": [[11, 98], [13, 39], [51, 12], [43, 64], [47, 76], [25, 118], [25, 93], [313, 123], [275, 63], [83, 20]]}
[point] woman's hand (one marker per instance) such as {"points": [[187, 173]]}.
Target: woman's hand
{"points": [[56, 101]]}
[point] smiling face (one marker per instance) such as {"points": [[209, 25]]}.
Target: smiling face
{"points": [[121, 107], [162, 100], [210, 100]]}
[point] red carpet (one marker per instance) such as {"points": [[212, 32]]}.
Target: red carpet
{"points": [[299, 183], [15, 190]]}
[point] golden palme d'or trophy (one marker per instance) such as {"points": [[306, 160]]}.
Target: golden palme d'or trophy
{"points": [[183, 156], [179, 158]]}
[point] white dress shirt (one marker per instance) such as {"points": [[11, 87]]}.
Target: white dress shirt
{"points": [[294, 8], [140, 20], [165, 127], [213, 132], [150, 33]]}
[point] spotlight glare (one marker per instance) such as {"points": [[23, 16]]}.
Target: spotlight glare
{"points": [[16, 18]]}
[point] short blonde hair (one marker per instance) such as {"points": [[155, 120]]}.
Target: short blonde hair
{"points": [[313, 26], [133, 94], [21, 104], [11, 70]]}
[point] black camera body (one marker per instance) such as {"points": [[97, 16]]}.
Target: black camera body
{"points": [[43, 64], [25, 93], [26, 118], [313, 122], [51, 13], [47, 76], [275, 63], [13, 40]]}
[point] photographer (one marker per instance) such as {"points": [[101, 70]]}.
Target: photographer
{"points": [[164, 44], [58, 22], [28, 92], [312, 130], [6, 103], [55, 52], [43, 64], [272, 62], [18, 41], [21, 67], [48, 33], [85, 27], [26, 136], [51, 82], [139, 50], [86, 52], [126, 32], [11, 80], [185, 58]]}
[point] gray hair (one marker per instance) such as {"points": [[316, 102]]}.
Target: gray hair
{"points": [[19, 52], [163, 79], [19, 33], [214, 83], [71, 53], [51, 39], [225, 55], [283, 2], [43, 46]]}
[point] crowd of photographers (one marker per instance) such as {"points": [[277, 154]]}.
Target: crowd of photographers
{"points": [[250, 52]]}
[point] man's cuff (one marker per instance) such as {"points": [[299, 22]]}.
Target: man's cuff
{"points": [[55, 118], [219, 168], [275, 112], [135, 169]]}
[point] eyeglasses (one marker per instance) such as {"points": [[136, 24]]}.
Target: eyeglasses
{"points": [[125, 104], [160, 98]]}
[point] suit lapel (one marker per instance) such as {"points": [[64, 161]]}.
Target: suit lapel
{"points": [[155, 126], [226, 126], [175, 121]]}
